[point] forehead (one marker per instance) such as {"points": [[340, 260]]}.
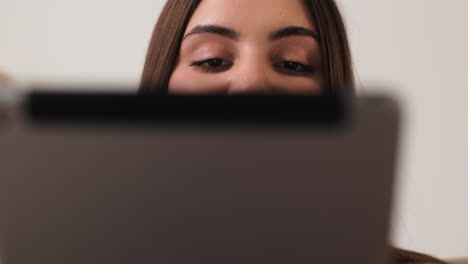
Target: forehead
{"points": [[251, 16]]}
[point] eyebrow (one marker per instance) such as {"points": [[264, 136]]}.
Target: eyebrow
{"points": [[218, 30], [293, 31], [232, 34]]}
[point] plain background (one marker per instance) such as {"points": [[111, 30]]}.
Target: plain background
{"points": [[415, 48]]}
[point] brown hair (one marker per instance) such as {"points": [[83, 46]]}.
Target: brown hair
{"points": [[163, 50]]}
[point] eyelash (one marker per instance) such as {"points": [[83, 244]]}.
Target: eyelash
{"points": [[212, 69], [223, 67]]}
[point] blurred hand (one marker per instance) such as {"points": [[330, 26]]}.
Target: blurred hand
{"points": [[4, 80]]}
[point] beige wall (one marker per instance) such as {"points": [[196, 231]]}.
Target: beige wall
{"points": [[420, 48], [417, 48], [87, 40]]}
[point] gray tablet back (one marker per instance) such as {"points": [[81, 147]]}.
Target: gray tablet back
{"points": [[211, 194]]}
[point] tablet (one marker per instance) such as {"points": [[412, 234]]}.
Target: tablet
{"points": [[116, 178]]}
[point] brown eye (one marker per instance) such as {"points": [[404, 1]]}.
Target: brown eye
{"points": [[214, 62], [293, 67], [213, 65]]}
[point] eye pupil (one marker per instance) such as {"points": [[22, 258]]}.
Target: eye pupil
{"points": [[291, 65], [215, 62]]}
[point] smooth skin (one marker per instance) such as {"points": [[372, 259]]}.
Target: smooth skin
{"points": [[249, 46]]}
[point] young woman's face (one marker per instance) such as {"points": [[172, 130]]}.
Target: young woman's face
{"points": [[249, 46]]}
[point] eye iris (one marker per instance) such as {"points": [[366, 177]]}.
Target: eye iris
{"points": [[215, 62], [291, 65]]}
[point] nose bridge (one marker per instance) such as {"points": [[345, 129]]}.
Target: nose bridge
{"points": [[251, 75]]}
